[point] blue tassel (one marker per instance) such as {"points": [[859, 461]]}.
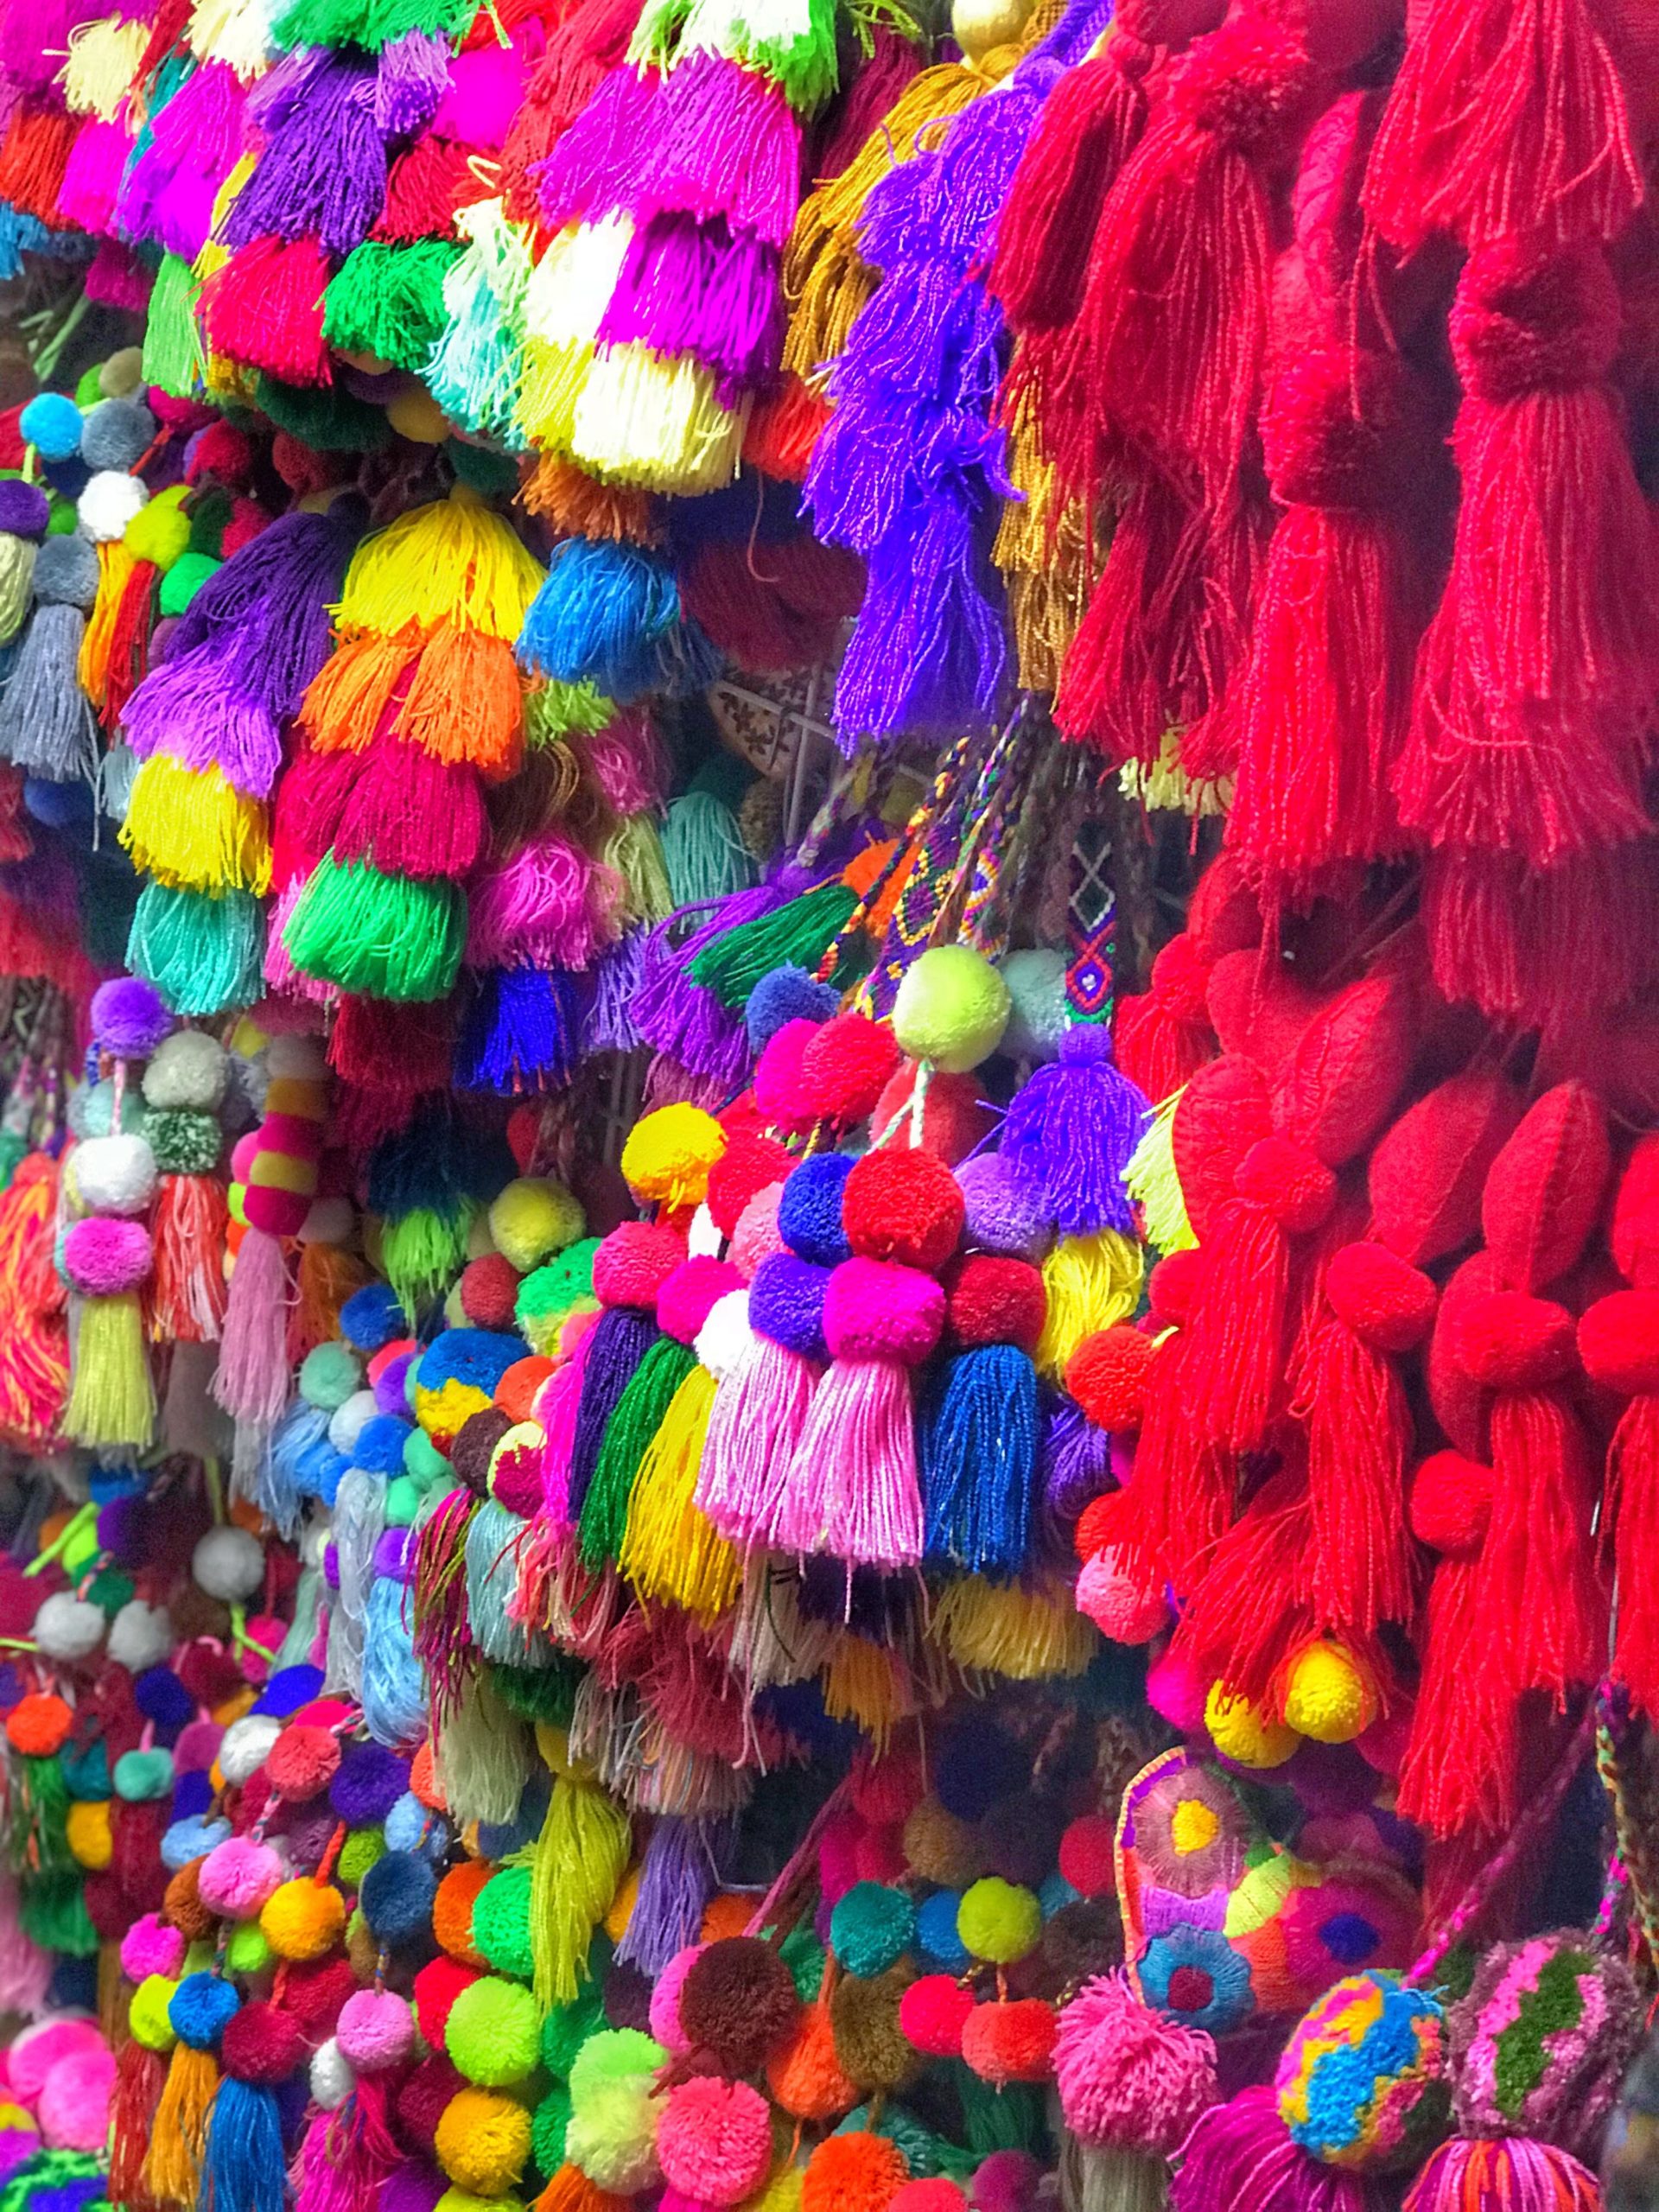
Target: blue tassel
{"points": [[243, 2170], [519, 1033], [1071, 1132], [978, 1442], [605, 616], [394, 1687]]}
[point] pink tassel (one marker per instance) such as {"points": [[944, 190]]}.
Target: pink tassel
{"points": [[539, 910], [252, 1379], [757, 1418], [25, 1970], [92, 178], [318, 2178], [557, 1411], [729, 145], [626, 763], [117, 278], [854, 1489]]}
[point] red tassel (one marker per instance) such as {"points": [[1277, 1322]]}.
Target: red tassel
{"points": [[129, 642], [1180, 1500], [1631, 1514], [34, 159], [264, 308], [427, 188], [381, 1045], [140, 2075], [442, 1640], [1539, 677], [1459, 1769], [782, 430], [408, 814], [187, 1290], [1506, 120], [310, 798], [773, 608], [136, 1831], [1242, 1620], [1165, 1036]]}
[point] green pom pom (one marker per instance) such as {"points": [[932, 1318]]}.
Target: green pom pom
{"points": [[547, 2125], [209, 519], [493, 2032], [383, 937], [328, 418], [110, 1590], [806, 1958], [185, 1143], [567, 2027], [88, 391], [358, 1853], [501, 1922], [329, 1374], [387, 299], [247, 1952], [796, 935], [204, 955], [184, 580], [548, 1295], [403, 1502], [423, 1463]]}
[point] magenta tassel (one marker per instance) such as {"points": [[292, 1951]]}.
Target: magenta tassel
{"points": [[854, 1489], [545, 908], [758, 1417], [1241, 2153], [691, 286], [589, 172], [1513, 2174], [729, 144]]}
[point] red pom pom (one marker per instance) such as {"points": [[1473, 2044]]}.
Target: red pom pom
{"points": [[248, 520], [747, 1165], [1543, 1194], [1088, 1855], [425, 2096], [1384, 1300], [262, 2045], [691, 1293], [220, 450], [932, 2013], [1507, 1341], [1295, 1186], [208, 1673], [1173, 1285], [1347, 1071], [303, 1761], [990, 1300], [1107, 1376], [845, 1067], [903, 1205], [1011, 2042], [1101, 1522], [437, 1985], [489, 1292], [879, 1853], [935, 2195], [634, 1261], [888, 1787], [300, 469], [314, 1992], [1451, 1504], [1428, 1171], [1619, 1342]]}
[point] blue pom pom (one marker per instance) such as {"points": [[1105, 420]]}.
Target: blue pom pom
{"points": [[201, 2008], [936, 1931], [396, 1898], [479, 1356], [372, 1316], [52, 425], [68, 477], [163, 1698], [606, 616], [809, 1212], [57, 806], [288, 1689], [871, 1928], [379, 1447], [367, 1783], [193, 1794], [192, 1838], [85, 1770], [786, 1302], [788, 994], [1056, 1894], [411, 1826]]}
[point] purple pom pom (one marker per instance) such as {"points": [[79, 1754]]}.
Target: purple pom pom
{"points": [[787, 1303], [24, 511], [128, 1019], [1004, 1215]]}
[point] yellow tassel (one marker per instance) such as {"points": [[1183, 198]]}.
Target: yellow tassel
{"points": [[646, 420], [112, 1398], [103, 57], [1028, 1636], [1091, 1281], [179, 2131], [452, 561], [194, 831], [1166, 788], [565, 300], [1151, 1181], [870, 1685], [576, 1866], [635, 851], [1042, 548], [670, 1549], [115, 565]]}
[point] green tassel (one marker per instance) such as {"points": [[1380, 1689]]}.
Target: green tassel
{"points": [[635, 851], [705, 856], [383, 937], [322, 23], [796, 935], [553, 710], [204, 955], [1009, 2119], [52, 1912], [36, 1833], [638, 1416], [387, 299], [395, 19], [804, 68], [423, 1252], [172, 357], [328, 419], [546, 1693]]}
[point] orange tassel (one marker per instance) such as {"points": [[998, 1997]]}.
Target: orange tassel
{"points": [[350, 693], [172, 2166], [570, 2190], [187, 1291], [328, 1276], [576, 504], [783, 429], [33, 1333], [464, 704], [34, 157]]}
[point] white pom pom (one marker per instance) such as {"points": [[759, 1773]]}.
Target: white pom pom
{"points": [[140, 1635], [108, 505], [346, 1423], [330, 1221], [114, 1174], [245, 1744], [68, 1628], [229, 1564], [189, 1071], [1039, 1016], [332, 2078], [705, 1240], [724, 1339], [297, 1056]]}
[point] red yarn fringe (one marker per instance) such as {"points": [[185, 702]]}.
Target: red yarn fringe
{"points": [[187, 1290]]}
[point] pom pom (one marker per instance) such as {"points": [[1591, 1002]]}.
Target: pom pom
{"points": [[844, 1069], [229, 1564], [669, 1154], [489, 1292], [237, 1877], [482, 2141], [303, 1761], [114, 1174], [1361, 2082], [493, 2032], [66, 1628], [533, 1218], [786, 995], [262, 2045], [375, 2031], [691, 1295], [739, 2002], [634, 1262], [1003, 1213], [906, 1206], [713, 2140], [873, 1310], [103, 1256], [52, 425], [1128, 2078], [992, 1300], [128, 1019], [1010, 2042], [854, 2172], [871, 1928], [951, 1009], [1246, 1733], [303, 1920], [1328, 1695], [810, 1209], [998, 1922], [932, 2013], [108, 503], [1107, 1376], [1088, 1855], [396, 1898], [329, 1375], [141, 1635]]}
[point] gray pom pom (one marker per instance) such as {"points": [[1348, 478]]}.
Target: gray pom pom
{"points": [[65, 572], [117, 432]]}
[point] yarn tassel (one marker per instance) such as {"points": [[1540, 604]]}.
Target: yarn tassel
{"points": [[1070, 1133], [978, 1442], [188, 1294], [441, 1642], [669, 1549], [1241, 2152], [47, 723], [243, 2168], [853, 1488], [640, 1413], [676, 1880], [252, 1378], [576, 1866], [171, 2168], [755, 1426], [111, 1396], [1460, 1766], [620, 1339], [1633, 1500], [1508, 2171]]}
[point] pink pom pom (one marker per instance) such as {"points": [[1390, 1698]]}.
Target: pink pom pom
{"points": [[634, 1261], [932, 2013], [937, 2195], [1176, 1692], [39, 2050], [1115, 1603], [782, 1097], [1005, 2181], [238, 1876], [665, 2002], [713, 2139], [74, 2108], [197, 1747], [1130, 2078], [102, 1255], [875, 1309], [376, 2030], [150, 1947], [755, 1237], [691, 1295]]}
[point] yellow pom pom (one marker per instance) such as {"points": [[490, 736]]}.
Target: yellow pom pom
{"points": [[147, 2018], [781, 2194], [415, 415], [951, 1009], [462, 2200], [482, 2141], [159, 533], [303, 1919], [1242, 1733], [621, 1906], [668, 1155], [998, 1922], [533, 1218], [444, 1411], [86, 1830], [1328, 1695]]}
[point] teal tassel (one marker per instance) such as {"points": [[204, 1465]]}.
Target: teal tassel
{"points": [[204, 955], [705, 856]]}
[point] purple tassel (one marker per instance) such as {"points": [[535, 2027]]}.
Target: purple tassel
{"points": [[726, 143], [676, 1882], [192, 708], [194, 142], [409, 83], [680, 1017], [691, 286], [1069, 1133], [1076, 1459], [1241, 2153], [518, 1034], [620, 1338], [608, 1025], [590, 171], [323, 172]]}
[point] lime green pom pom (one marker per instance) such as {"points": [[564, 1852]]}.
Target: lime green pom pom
{"points": [[494, 2031], [951, 1009], [358, 1853], [247, 1952], [998, 1922], [501, 1922], [147, 2014]]}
